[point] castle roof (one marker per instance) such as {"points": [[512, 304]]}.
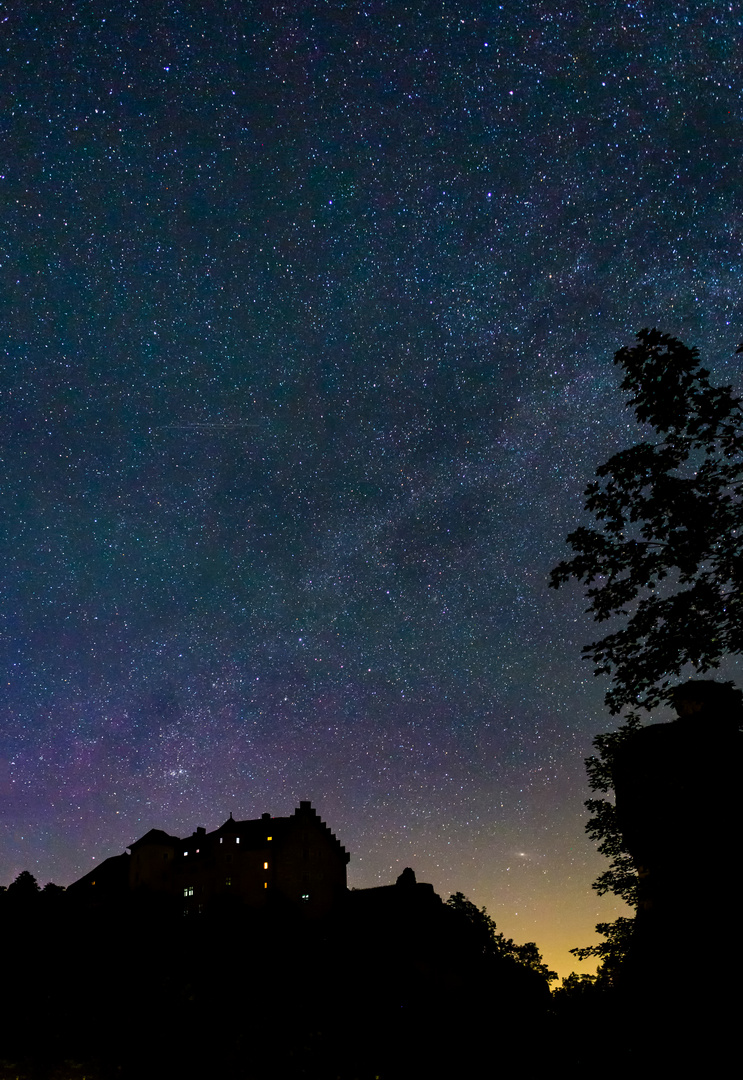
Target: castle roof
{"points": [[154, 836]]}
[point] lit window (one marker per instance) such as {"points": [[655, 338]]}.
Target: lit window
{"points": [[237, 839], [228, 881], [188, 891], [265, 866], [197, 850], [265, 884], [221, 839], [185, 853], [305, 896], [92, 883], [269, 838]]}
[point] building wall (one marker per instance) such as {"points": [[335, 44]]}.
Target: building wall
{"points": [[309, 869], [225, 866], [151, 866]]}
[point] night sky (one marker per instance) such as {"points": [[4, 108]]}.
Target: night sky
{"points": [[308, 313]]}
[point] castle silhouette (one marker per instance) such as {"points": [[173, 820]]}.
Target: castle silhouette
{"points": [[294, 861], [278, 971]]}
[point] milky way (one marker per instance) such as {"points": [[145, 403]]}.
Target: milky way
{"points": [[308, 317]]}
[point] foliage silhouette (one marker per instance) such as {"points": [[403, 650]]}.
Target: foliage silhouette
{"points": [[667, 556], [668, 550], [24, 888], [494, 943], [578, 986], [612, 951], [621, 876], [51, 890]]}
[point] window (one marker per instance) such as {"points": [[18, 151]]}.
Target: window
{"points": [[305, 896], [237, 839], [185, 853], [265, 884], [221, 839], [228, 881], [265, 866], [269, 838], [188, 890]]}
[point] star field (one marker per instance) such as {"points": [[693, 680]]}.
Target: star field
{"points": [[308, 317]]}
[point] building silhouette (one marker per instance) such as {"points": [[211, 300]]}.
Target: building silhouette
{"points": [[290, 862], [287, 973]]}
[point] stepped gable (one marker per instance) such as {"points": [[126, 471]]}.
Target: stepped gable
{"points": [[306, 811]]}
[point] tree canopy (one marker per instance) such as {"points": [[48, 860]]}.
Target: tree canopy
{"points": [[25, 887], [667, 550], [666, 557], [493, 942], [620, 877]]}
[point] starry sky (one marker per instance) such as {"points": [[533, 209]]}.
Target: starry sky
{"points": [[308, 314]]}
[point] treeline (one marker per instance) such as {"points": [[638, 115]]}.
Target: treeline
{"points": [[406, 988]]}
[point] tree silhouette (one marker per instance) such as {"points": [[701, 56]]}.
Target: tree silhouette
{"points": [[666, 555], [25, 888], [53, 891], [495, 944], [667, 552], [612, 951], [621, 876]]}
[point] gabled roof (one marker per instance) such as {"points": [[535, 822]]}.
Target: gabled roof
{"points": [[112, 873], [155, 836]]}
